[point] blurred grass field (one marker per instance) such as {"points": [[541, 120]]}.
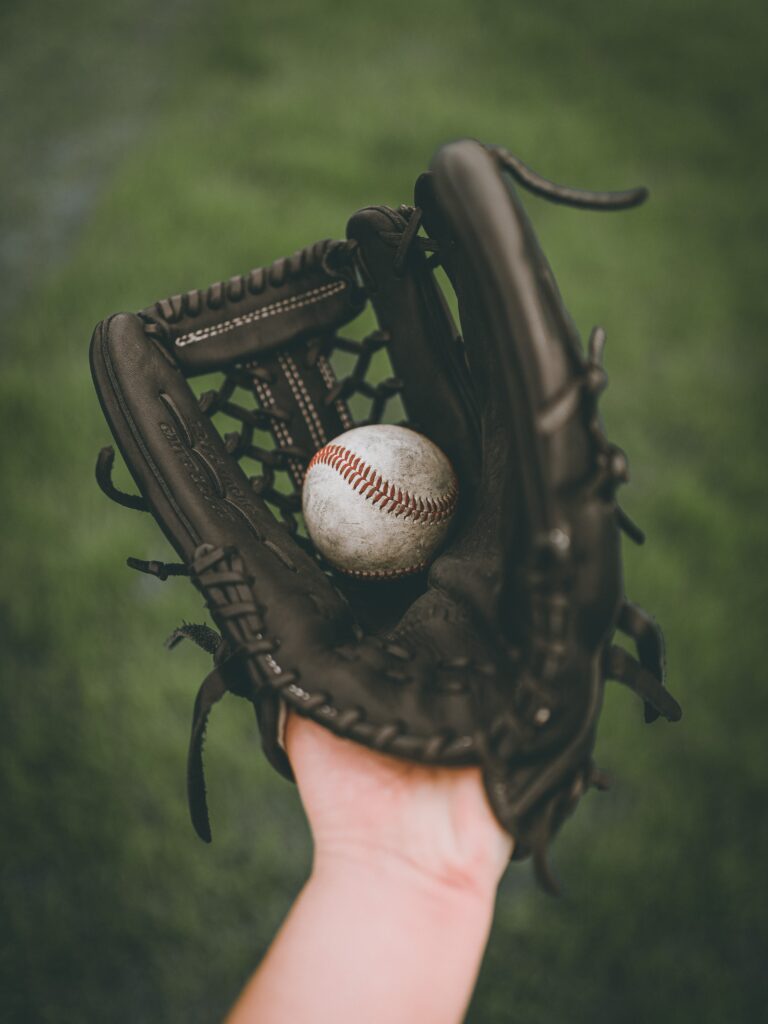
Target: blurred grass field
{"points": [[152, 147]]}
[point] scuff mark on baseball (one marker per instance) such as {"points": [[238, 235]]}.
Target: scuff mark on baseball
{"points": [[378, 501]]}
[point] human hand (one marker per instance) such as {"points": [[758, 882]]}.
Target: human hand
{"points": [[394, 919], [362, 805]]}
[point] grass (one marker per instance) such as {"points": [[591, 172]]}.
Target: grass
{"points": [[155, 147]]}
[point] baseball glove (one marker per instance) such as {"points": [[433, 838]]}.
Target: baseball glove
{"points": [[497, 655]]}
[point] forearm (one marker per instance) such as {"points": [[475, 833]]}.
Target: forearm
{"points": [[378, 942]]}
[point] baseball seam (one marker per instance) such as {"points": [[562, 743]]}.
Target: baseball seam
{"points": [[385, 574], [384, 494]]}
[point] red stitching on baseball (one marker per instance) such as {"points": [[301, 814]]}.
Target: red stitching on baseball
{"points": [[385, 574], [367, 482]]}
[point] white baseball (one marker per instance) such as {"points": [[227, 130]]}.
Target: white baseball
{"points": [[378, 501]]}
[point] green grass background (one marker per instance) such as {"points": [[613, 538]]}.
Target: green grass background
{"points": [[154, 146]]}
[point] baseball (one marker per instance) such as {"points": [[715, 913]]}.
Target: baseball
{"points": [[378, 501]]}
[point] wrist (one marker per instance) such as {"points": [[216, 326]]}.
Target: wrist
{"points": [[406, 877]]}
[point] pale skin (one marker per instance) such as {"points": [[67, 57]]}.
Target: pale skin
{"points": [[393, 921]]}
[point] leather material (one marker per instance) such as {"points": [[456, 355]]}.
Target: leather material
{"points": [[425, 348], [202, 497], [499, 653], [256, 312]]}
